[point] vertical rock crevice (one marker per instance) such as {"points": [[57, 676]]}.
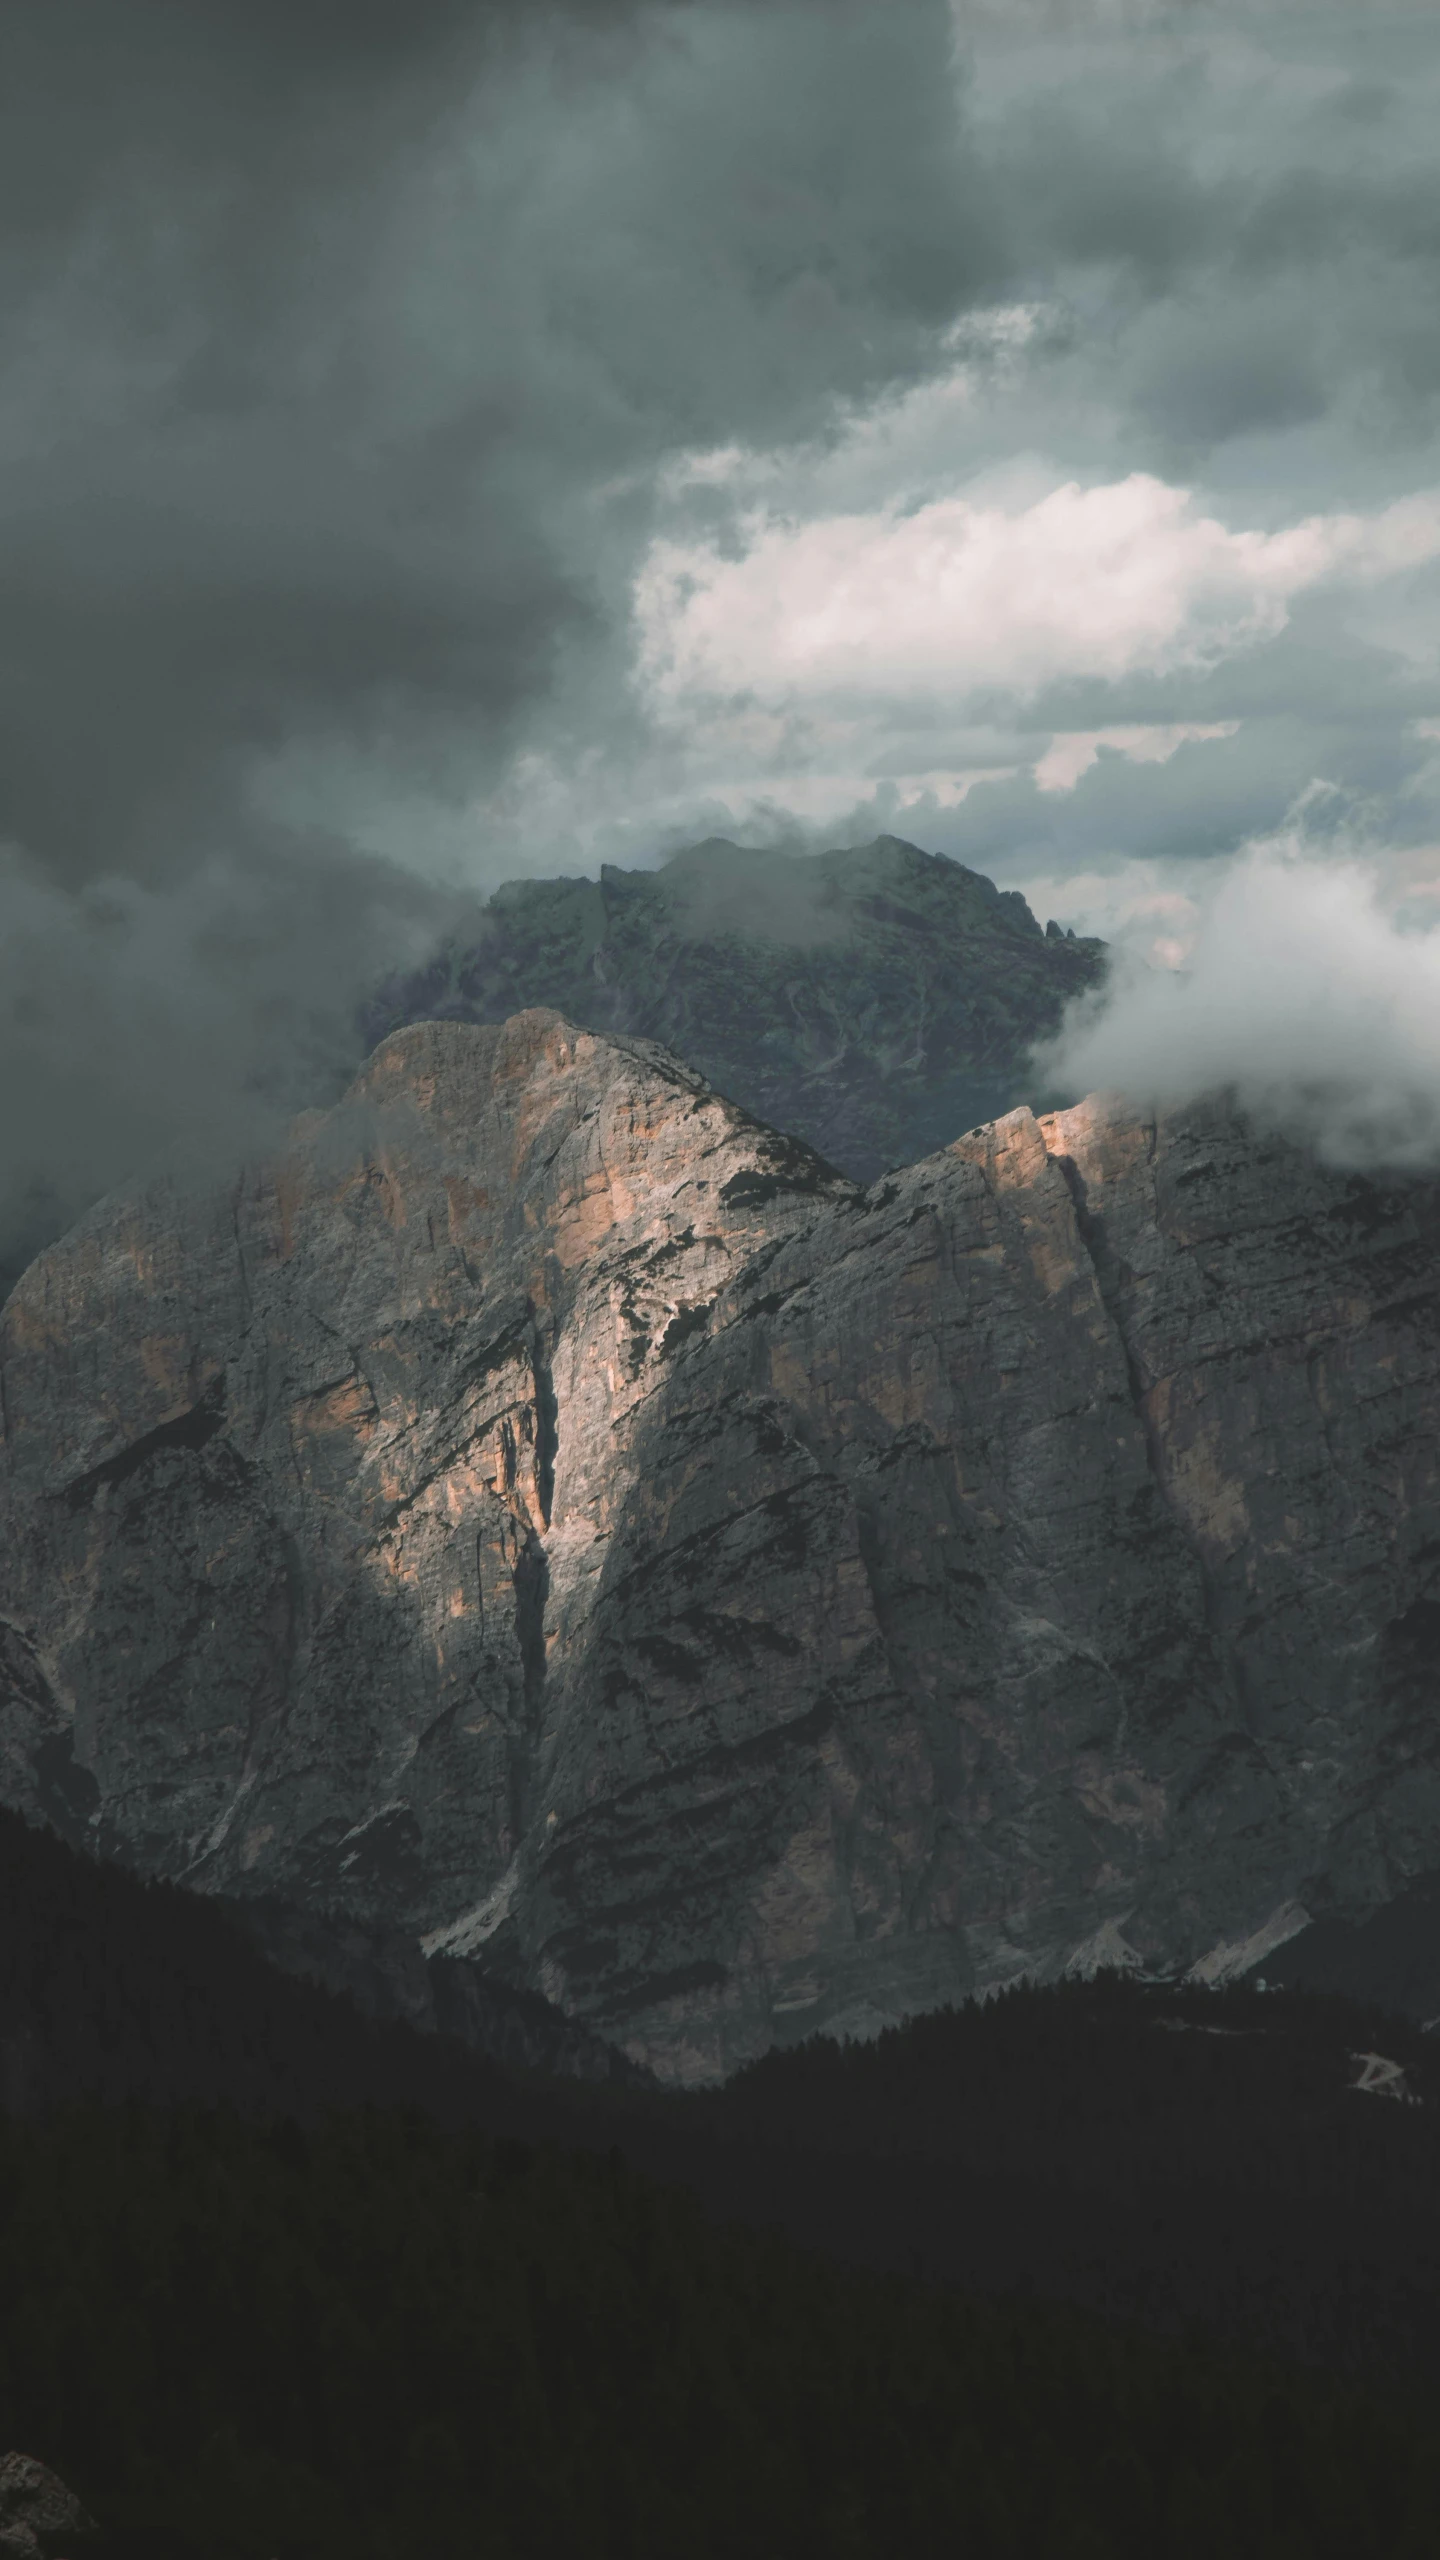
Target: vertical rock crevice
{"points": [[547, 1422], [1090, 1229], [531, 1583], [532, 1591], [1110, 1278]]}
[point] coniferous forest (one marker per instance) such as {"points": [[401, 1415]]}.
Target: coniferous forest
{"points": [[376, 2337], [1091, 2272]]}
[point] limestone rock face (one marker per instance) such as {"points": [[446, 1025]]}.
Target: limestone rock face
{"points": [[550, 1514], [872, 1001]]}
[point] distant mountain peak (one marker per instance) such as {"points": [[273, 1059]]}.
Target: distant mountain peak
{"points": [[872, 1000]]}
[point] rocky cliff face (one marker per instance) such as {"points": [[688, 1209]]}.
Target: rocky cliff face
{"points": [[555, 1517], [873, 1001]]}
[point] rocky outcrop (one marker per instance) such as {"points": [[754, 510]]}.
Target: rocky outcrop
{"points": [[549, 1515], [872, 1000], [39, 2516]]}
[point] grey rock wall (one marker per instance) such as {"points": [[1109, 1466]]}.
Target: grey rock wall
{"points": [[553, 1517], [872, 1001]]}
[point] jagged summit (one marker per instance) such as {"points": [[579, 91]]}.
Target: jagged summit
{"points": [[871, 1000], [555, 1517]]}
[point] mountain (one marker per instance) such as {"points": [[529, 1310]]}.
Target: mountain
{"points": [[552, 1517], [871, 1001]]}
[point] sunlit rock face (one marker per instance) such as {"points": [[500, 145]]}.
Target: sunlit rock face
{"points": [[553, 1515]]}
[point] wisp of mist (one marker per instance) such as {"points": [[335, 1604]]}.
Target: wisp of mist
{"points": [[1302, 997], [176, 1026]]}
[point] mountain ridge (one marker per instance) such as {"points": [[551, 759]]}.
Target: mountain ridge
{"points": [[552, 1516], [870, 1000]]}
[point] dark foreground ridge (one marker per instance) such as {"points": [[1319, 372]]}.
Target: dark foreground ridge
{"points": [[379, 2338], [1164, 2155], [113, 1989], [1092, 2273], [872, 1001]]}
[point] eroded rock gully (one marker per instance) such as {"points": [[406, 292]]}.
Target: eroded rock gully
{"points": [[555, 1517]]}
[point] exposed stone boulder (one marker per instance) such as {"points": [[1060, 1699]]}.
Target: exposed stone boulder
{"points": [[39, 2517], [550, 1515]]}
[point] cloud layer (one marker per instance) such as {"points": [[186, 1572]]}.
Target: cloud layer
{"points": [[178, 1026], [1040, 401], [1300, 996], [961, 598], [338, 350]]}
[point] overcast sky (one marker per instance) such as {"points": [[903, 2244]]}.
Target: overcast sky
{"points": [[443, 442]]}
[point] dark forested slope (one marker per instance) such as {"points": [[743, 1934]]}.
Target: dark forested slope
{"points": [[381, 2339], [1169, 2155], [494, 2315], [114, 1989]]}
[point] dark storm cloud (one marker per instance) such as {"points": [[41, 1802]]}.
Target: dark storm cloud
{"points": [[319, 316], [322, 327], [200, 546], [344, 349], [1257, 188], [176, 1026]]}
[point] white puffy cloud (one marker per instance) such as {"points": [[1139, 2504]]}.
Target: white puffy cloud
{"points": [[1302, 994], [966, 596]]}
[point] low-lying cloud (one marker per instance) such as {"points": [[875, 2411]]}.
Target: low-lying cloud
{"points": [[178, 1025], [1302, 996]]}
